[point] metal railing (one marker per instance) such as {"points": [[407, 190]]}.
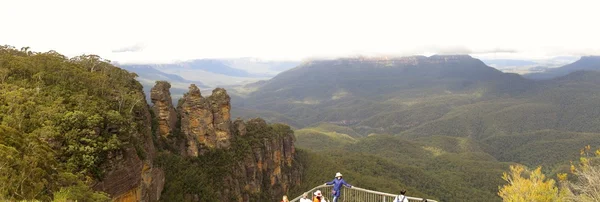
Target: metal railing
{"points": [[356, 194]]}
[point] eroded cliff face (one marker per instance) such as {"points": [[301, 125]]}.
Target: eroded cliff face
{"points": [[131, 174], [163, 108], [260, 164], [205, 122], [268, 166], [262, 167], [267, 169], [220, 105]]}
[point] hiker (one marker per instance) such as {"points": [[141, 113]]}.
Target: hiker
{"points": [[401, 197], [285, 199], [337, 186], [318, 197], [305, 198]]}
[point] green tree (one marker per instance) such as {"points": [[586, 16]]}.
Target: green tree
{"points": [[26, 166], [62, 117]]}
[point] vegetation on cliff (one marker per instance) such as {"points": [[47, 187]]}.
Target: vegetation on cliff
{"points": [[218, 174], [60, 120]]}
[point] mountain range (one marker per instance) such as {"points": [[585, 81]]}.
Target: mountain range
{"points": [[521, 66], [443, 127], [448, 118], [218, 72], [585, 63], [441, 118], [206, 73]]}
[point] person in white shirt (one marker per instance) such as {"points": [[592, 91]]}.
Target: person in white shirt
{"points": [[401, 197], [305, 198]]}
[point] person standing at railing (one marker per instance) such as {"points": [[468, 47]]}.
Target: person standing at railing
{"points": [[305, 198], [401, 197], [337, 186]]}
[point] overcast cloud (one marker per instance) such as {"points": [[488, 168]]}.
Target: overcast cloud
{"points": [[275, 29], [134, 48]]}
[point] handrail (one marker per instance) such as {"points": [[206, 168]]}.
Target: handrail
{"points": [[310, 192], [328, 187]]}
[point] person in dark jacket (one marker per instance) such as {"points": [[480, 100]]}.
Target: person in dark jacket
{"points": [[337, 186]]}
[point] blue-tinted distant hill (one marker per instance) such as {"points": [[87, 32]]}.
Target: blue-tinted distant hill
{"points": [[591, 63], [150, 73], [500, 63], [220, 72], [147, 76], [207, 73]]}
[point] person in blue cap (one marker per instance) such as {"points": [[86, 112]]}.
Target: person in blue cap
{"points": [[337, 186]]}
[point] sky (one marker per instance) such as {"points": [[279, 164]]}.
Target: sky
{"points": [[146, 31]]}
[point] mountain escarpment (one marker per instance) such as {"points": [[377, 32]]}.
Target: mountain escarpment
{"points": [[231, 160]]}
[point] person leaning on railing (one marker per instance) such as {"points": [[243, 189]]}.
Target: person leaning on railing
{"points": [[337, 186]]}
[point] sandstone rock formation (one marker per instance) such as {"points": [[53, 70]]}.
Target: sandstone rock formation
{"points": [[220, 106], [163, 108], [265, 165], [268, 166], [205, 122]]}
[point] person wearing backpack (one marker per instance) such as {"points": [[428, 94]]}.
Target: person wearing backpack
{"points": [[337, 186], [401, 197]]}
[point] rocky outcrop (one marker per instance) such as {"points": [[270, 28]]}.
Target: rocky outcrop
{"points": [[268, 167], [264, 165], [262, 169], [131, 174], [239, 127], [220, 106], [163, 108], [205, 122]]}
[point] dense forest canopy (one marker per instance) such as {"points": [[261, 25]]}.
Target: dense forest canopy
{"points": [[60, 119]]}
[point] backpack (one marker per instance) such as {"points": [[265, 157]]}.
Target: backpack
{"points": [[400, 200]]}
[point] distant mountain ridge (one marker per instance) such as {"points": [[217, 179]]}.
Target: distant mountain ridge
{"points": [[149, 72], [369, 76], [206, 73], [236, 67], [591, 63], [382, 95], [502, 63], [452, 117], [315, 90]]}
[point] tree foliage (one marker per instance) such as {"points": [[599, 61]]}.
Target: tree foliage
{"points": [[528, 186], [60, 116]]}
